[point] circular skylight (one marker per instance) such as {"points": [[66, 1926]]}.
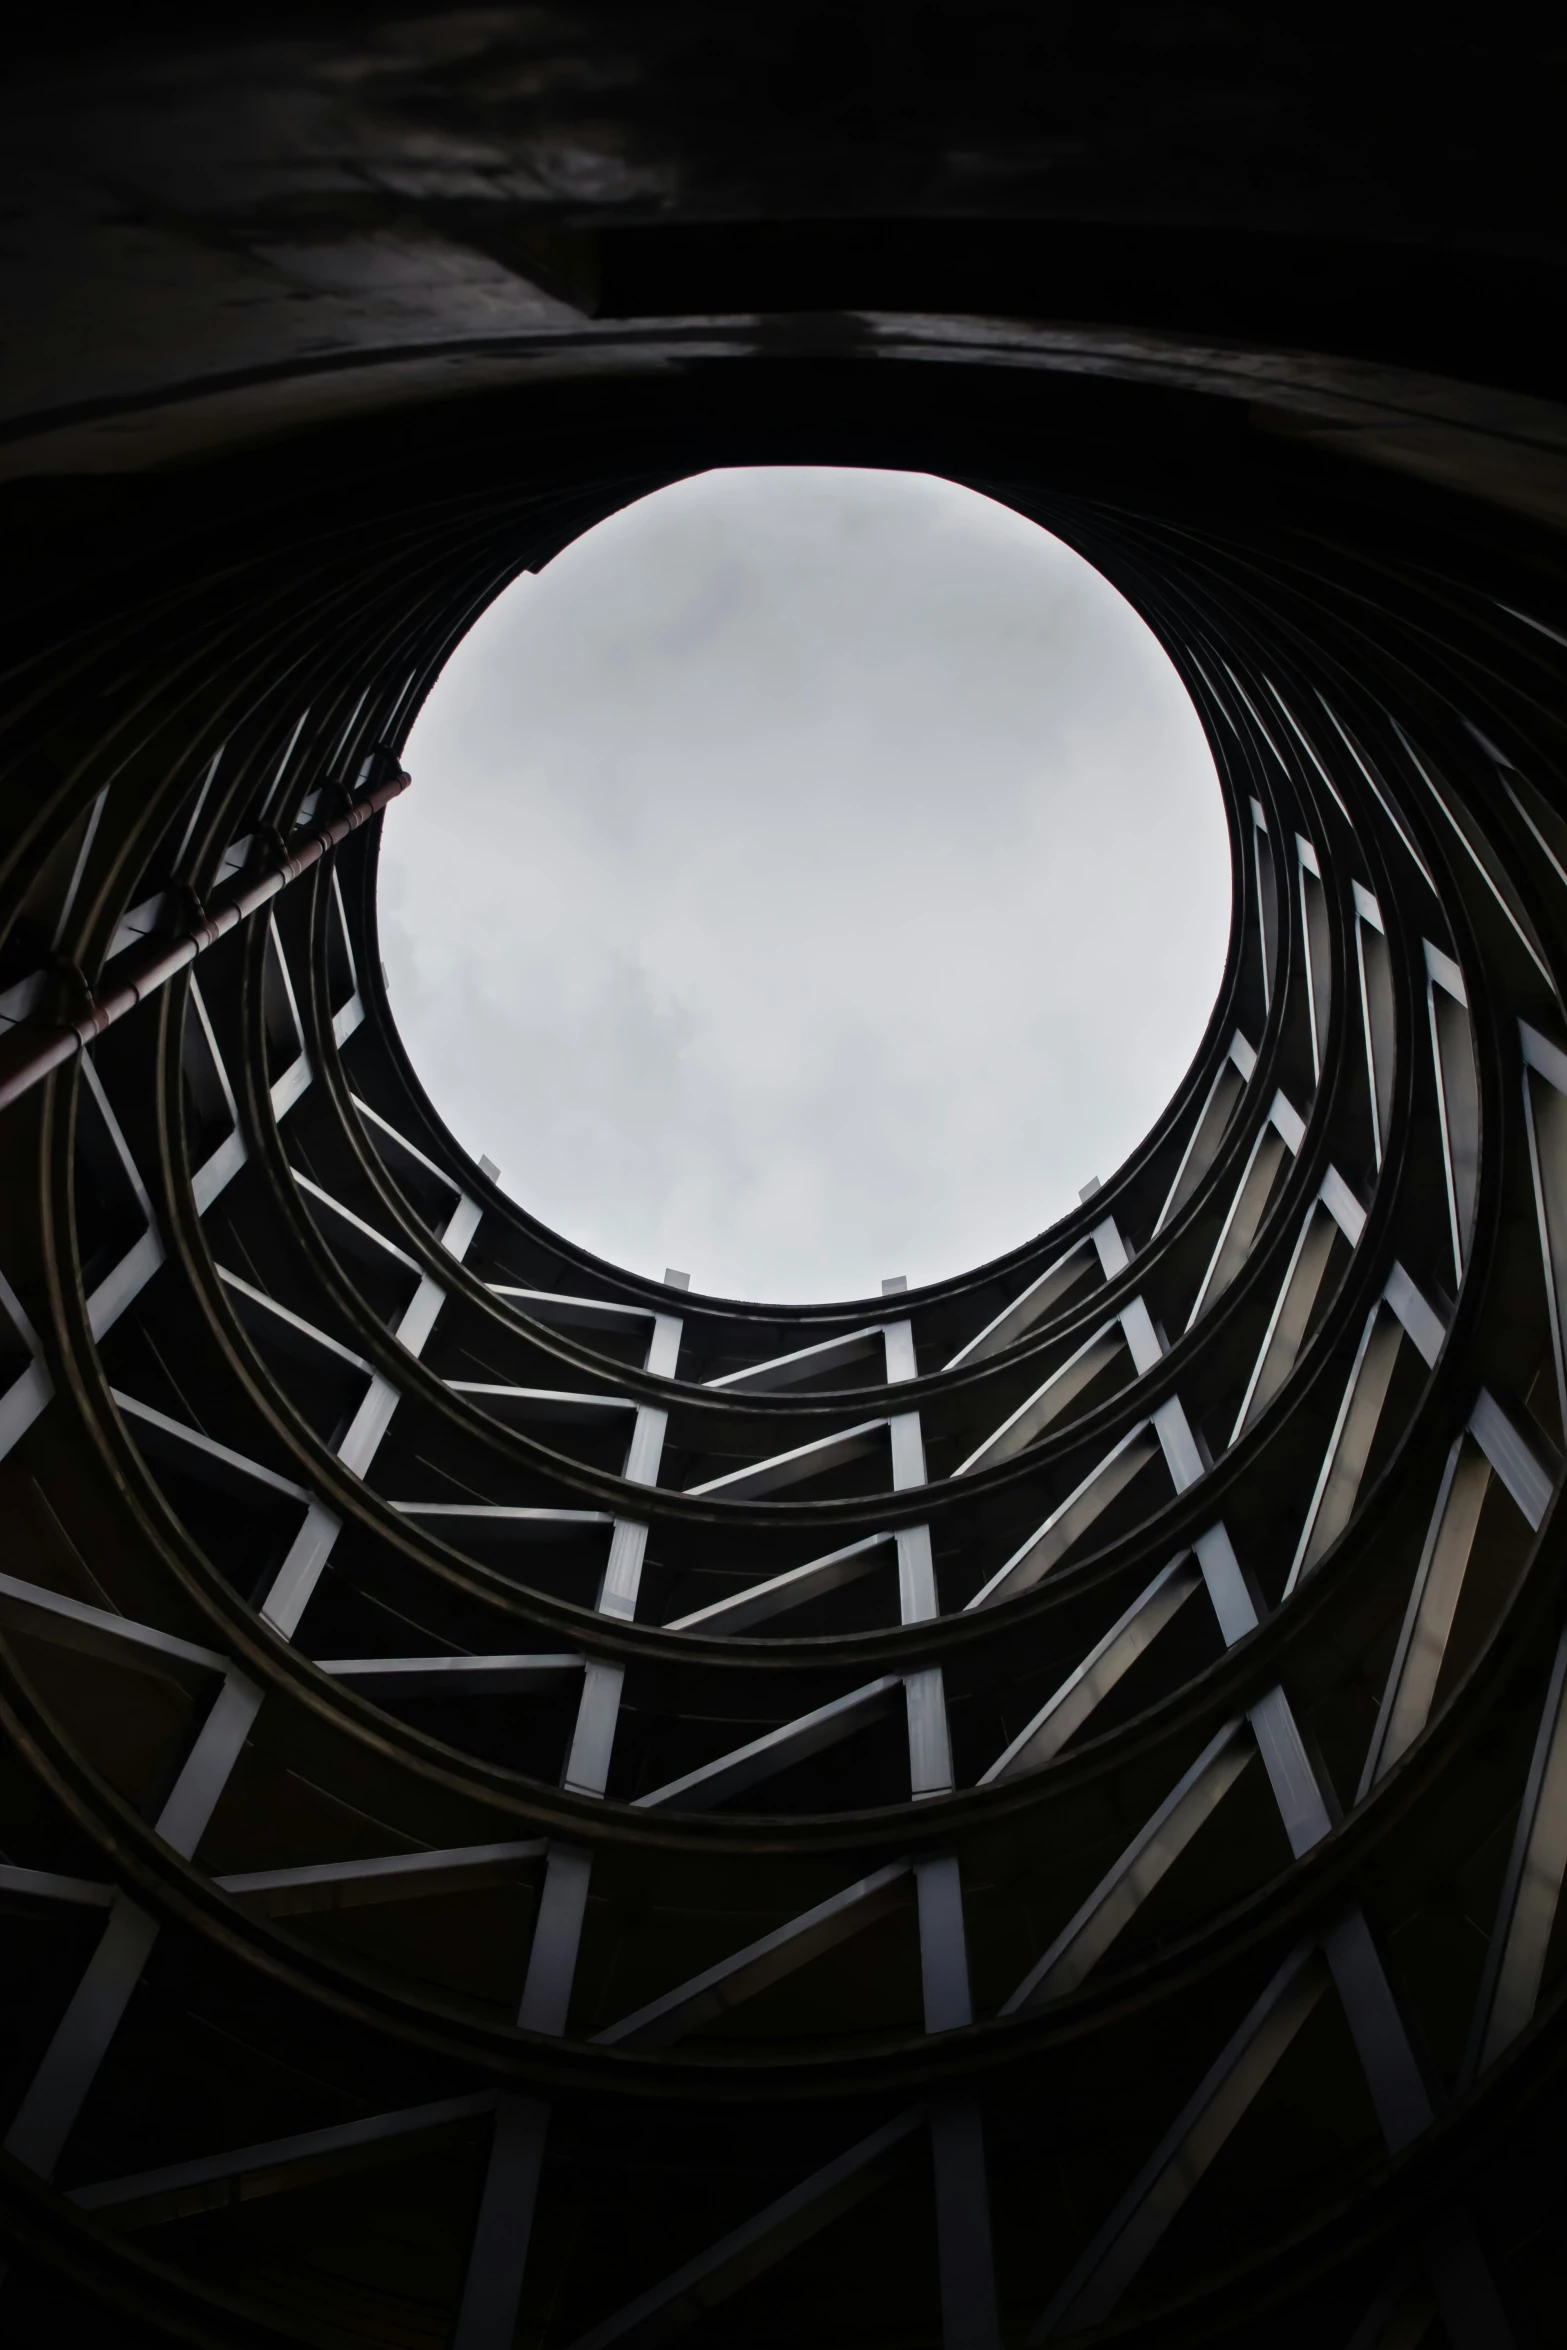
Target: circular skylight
{"points": [[811, 876]]}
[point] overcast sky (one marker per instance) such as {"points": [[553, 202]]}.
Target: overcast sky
{"points": [[809, 876]]}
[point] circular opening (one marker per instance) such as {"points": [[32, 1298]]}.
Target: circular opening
{"points": [[813, 875]]}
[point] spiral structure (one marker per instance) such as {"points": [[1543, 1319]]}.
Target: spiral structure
{"points": [[545, 1808]]}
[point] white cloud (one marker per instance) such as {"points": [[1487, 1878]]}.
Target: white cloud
{"points": [[811, 875]]}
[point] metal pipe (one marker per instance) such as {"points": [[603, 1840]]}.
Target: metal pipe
{"points": [[36, 1048]]}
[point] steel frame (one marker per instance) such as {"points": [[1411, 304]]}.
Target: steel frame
{"points": [[655, 1775]]}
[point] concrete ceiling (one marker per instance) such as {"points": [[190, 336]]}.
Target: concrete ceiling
{"points": [[232, 226]]}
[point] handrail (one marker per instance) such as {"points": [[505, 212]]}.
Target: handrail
{"points": [[35, 1048]]}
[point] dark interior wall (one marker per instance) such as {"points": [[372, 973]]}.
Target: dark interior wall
{"points": [[216, 233], [322, 323]]}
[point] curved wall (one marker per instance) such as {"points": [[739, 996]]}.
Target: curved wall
{"points": [[1022, 1810]]}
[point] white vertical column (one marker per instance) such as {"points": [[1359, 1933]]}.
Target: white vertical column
{"points": [[957, 2139], [294, 1584], [1392, 2070], [498, 2261], [1531, 1889], [82, 2039]]}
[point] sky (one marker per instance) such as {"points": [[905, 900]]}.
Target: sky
{"points": [[810, 876]]}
